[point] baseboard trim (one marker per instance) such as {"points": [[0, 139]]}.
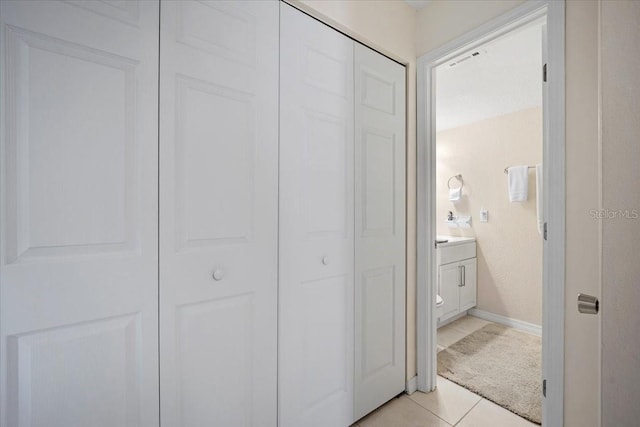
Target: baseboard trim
{"points": [[411, 385], [513, 323]]}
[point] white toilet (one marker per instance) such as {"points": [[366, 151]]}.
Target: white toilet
{"points": [[439, 304]]}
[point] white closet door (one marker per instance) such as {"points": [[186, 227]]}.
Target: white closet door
{"points": [[79, 260], [379, 230], [316, 224], [218, 213]]}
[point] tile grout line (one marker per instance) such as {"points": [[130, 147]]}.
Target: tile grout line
{"points": [[433, 413], [480, 398], [467, 413]]}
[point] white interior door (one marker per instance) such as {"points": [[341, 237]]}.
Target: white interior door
{"points": [[218, 212], [379, 229], [620, 86], [316, 224], [79, 260]]}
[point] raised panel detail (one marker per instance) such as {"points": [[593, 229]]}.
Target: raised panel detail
{"points": [[127, 11], [215, 346], [218, 27], [98, 363], [215, 164], [378, 93], [378, 320], [325, 72], [378, 178], [71, 182], [326, 175], [325, 340]]}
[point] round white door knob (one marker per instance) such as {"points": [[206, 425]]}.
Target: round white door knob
{"points": [[218, 275], [325, 260]]}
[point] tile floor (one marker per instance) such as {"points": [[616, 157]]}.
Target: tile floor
{"points": [[449, 404]]}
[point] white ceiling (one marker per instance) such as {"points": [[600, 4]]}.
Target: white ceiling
{"points": [[505, 77]]}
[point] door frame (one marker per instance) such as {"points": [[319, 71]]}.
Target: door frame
{"points": [[553, 198]]}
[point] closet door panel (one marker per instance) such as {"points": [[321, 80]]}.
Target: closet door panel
{"points": [[316, 224], [78, 273], [218, 212], [379, 229]]}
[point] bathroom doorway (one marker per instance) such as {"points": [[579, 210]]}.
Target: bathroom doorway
{"points": [[483, 123], [488, 231]]}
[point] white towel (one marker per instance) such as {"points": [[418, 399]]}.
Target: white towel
{"points": [[539, 210], [455, 194], [518, 183]]}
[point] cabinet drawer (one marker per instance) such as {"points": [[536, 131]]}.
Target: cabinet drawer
{"points": [[455, 253]]}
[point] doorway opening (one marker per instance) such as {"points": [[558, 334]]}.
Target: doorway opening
{"points": [[464, 197], [488, 231]]}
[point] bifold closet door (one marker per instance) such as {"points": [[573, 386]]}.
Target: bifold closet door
{"points": [[218, 213], [316, 224], [380, 229], [79, 261]]}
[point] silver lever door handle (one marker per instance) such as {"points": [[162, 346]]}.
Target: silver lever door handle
{"points": [[588, 304]]}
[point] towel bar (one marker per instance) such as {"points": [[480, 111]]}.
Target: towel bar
{"points": [[506, 170]]}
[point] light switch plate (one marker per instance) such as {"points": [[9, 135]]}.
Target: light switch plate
{"points": [[484, 215]]}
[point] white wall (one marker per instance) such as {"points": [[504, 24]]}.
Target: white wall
{"points": [[389, 27], [509, 246], [443, 21]]}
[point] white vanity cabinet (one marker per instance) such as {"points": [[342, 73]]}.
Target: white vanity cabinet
{"points": [[457, 275]]}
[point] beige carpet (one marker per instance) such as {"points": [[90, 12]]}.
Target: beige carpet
{"points": [[501, 364]]}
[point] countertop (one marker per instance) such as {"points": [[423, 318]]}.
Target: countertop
{"points": [[452, 240]]}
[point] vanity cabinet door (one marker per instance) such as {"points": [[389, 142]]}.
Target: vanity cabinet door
{"points": [[449, 279], [468, 284]]}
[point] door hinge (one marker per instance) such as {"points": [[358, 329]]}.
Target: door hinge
{"points": [[544, 388], [544, 73], [544, 232]]}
